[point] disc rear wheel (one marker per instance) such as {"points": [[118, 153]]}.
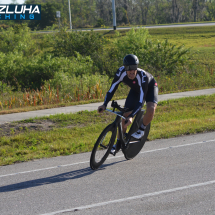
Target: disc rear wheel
{"points": [[135, 145]]}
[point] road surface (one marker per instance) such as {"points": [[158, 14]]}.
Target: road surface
{"points": [[169, 176]]}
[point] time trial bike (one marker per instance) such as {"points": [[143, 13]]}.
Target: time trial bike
{"points": [[129, 145]]}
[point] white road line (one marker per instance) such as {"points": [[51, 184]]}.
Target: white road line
{"points": [[132, 198], [66, 165], [36, 170]]}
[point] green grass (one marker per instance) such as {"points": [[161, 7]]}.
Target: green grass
{"points": [[203, 36], [77, 133], [201, 39], [184, 116]]}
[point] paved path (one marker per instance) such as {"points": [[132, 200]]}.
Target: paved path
{"points": [[90, 107], [152, 26]]}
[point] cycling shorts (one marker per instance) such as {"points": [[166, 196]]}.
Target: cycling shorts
{"points": [[151, 96]]}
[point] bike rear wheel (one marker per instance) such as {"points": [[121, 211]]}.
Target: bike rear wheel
{"points": [[103, 146], [135, 145]]}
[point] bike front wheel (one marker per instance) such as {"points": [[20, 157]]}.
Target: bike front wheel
{"points": [[103, 146]]}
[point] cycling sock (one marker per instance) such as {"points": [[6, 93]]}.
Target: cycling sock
{"points": [[142, 127]]}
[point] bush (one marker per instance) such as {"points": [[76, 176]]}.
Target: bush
{"points": [[25, 64], [3, 26], [19, 70], [18, 39], [154, 56], [85, 85], [22, 65], [66, 44], [100, 22], [164, 57]]}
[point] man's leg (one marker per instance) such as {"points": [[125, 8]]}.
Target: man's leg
{"points": [[151, 102], [116, 147], [150, 111], [123, 123], [147, 118], [130, 103]]}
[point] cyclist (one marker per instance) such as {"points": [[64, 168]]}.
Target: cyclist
{"points": [[143, 88]]}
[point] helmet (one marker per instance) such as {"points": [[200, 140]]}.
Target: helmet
{"points": [[130, 62], [130, 59]]}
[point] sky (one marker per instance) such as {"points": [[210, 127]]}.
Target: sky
{"points": [[10, 1]]}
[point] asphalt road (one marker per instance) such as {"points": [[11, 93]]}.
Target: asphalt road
{"points": [[169, 176], [93, 106]]}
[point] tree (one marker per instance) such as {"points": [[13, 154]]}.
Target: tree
{"points": [[99, 12], [194, 10], [144, 6], [48, 15], [104, 10], [210, 11]]}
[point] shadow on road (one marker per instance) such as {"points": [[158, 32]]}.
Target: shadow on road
{"points": [[53, 179]]}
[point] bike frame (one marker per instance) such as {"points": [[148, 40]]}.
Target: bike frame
{"points": [[118, 124]]}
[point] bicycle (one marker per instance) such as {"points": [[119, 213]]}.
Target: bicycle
{"points": [[129, 145]]}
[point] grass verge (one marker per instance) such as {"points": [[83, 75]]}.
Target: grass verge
{"points": [[76, 133]]}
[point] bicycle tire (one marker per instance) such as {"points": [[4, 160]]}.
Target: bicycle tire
{"points": [[133, 149], [105, 143]]}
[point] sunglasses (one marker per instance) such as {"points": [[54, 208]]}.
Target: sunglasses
{"points": [[130, 67]]}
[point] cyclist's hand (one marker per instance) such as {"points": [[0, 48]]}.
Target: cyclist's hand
{"points": [[101, 108], [128, 121]]}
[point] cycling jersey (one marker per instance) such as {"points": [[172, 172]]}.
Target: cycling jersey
{"points": [[139, 85]]}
